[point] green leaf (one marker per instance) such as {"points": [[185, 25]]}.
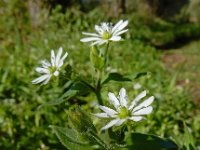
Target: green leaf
{"points": [[78, 88], [139, 141], [188, 139], [140, 74], [70, 138], [115, 77], [122, 78], [82, 122], [185, 140]]}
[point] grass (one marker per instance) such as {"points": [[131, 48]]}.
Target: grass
{"points": [[23, 46]]}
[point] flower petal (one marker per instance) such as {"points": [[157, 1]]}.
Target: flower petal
{"points": [[99, 42], [121, 26], [120, 32], [136, 118], [89, 39], [58, 56], [115, 38], [102, 115], [90, 34], [146, 103], [42, 70], [123, 97], [56, 73], [47, 80], [45, 64], [110, 124], [120, 122], [41, 79], [137, 99], [116, 25], [53, 63], [107, 110], [144, 111], [99, 29], [113, 100], [62, 60]]}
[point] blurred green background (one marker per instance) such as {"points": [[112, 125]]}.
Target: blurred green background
{"points": [[163, 39]]}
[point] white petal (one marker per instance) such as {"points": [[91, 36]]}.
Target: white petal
{"points": [[47, 80], [122, 26], [107, 110], [99, 42], [137, 99], [45, 64], [120, 122], [90, 34], [56, 73], [110, 124], [99, 29], [146, 103], [53, 63], [89, 39], [120, 32], [102, 115], [115, 38], [41, 79], [113, 100], [58, 56], [62, 60], [42, 70], [116, 25], [123, 97], [136, 118], [144, 111]]}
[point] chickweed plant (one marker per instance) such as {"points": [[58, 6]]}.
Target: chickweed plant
{"points": [[84, 130]]}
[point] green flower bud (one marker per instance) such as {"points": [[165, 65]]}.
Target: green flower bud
{"points": [[96, 59]]}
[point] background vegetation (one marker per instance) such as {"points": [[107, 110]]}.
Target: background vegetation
{"points": [[163, 39]]}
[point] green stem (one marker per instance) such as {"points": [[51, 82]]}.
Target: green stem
{"points": [[98, 88], [106, 54]]}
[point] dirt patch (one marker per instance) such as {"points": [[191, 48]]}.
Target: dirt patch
{"points": [[186, 78], [174, 60]]}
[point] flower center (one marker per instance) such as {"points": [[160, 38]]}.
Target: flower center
{"points": [[123, 112], [106, 35], [54, 71]]}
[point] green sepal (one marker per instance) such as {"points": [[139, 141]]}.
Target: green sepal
{"points": [[96, 58]]}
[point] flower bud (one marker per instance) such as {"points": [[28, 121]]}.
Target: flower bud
{"points": [[96, 59]]}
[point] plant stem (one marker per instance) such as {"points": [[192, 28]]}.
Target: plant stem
{"points": [[106, 55], [98, 88]]}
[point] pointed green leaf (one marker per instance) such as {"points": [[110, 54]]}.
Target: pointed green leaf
{"points": [[70, 138], [115, 77], [145, 141]]}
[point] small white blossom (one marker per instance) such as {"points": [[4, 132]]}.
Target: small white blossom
{"points": [[49, 69], [106, 32], [124, 110]]}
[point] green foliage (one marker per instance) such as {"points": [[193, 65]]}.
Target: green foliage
{"points": [[23, 45], [70, 138], [145, 141]]}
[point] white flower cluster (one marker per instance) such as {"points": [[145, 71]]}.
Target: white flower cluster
{"points": [[124, 110]]}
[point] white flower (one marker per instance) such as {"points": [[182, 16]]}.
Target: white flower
{"points": [[49, 69], [106, 32], [124, 110]]}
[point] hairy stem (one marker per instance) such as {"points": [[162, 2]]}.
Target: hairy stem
{"points": [[98, 88]]}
